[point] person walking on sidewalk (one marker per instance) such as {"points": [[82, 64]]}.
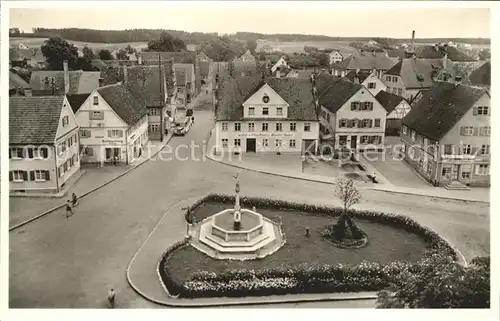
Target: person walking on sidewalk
{"points": [[74, 200], [111, 299], [69, 209]]}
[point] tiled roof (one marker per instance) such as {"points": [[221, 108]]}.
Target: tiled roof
{"points": [[16, 82], [249, 68], [296, 92], [34, 120], [334, 96], [440, 108], [324, 80], [123, 103], [419, 73], [366, 61], [145, 85], [77, 100], [188, 57], [188, 71], [303, 73], [388, 101], [79, 81], [482, 75], [430, 52], [204, 68], [362, 75]]}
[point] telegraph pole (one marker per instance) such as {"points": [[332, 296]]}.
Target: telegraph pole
{"points": [[162, 130]]}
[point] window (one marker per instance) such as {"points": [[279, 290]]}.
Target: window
{"points": [[377, 122], [307, 127], [481, 110], [485, 131], [237, 142], [179, 89], [400, 92], [224, 142], [96, 100], [265, 111], [342, 140], [16, 153], [65, 121], [388, 78], [413, 135], [389, 89], [39, 176], [448, 149], [364, 139], [375, 140], [394, 79], [237, 127], [446, 172], [466, 171], [265, 127], [426, 141], [43, 152], [342, 123], [251, 127], [279, 111], [371, 85], [84, 133], [366, 123], [405, 130], [251, 111], [466, 150], [394, 90], [292, 143], [96, 115], [485, 149], [482, 169], [293, 127], [19, 176], [119, 133], [63, 147], [366, 106], [89, 151], [224, 127], [278, 143], [429, 168], [265, 142], [279, 127], [467, 131], [355, 105]]}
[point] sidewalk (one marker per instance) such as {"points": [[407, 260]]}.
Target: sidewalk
{"points": [[290, 166], [93, 177], [142, 272]]}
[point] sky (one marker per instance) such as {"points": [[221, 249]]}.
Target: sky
{"points": [[323, 18]]}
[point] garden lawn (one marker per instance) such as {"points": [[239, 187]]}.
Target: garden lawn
{"points": [[385, 244]]}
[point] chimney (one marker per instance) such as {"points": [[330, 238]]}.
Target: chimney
{"points": [[101, 82], [445, 61], [125, 74], [66, 76], [412, 48]]}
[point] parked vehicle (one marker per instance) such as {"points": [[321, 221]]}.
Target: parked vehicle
{"points": [[179, 129]]}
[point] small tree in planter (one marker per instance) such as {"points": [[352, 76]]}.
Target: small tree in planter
{"points": [[349, 195]]}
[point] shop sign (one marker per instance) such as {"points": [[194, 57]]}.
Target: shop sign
{"points": [[265, 135], [112, 142]]}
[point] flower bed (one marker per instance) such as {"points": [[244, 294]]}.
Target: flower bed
{"points": [[303, 278]]}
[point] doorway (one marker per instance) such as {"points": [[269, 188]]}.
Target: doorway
{"points": [[251, 145], [455, 171], [354, 141]]}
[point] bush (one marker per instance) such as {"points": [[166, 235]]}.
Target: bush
{"points": [[367, 276]]}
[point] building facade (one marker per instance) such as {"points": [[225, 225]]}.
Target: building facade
{"points": [[43, 145], [446, 135], [113, 126], [397, 107], [269, 120], [335, 57]]}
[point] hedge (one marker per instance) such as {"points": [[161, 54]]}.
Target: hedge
{"points": [[367, 276]]}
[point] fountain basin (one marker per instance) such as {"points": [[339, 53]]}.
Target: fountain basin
{"points": [[251, 225]]}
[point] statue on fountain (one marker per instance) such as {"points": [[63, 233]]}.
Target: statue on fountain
{"points": [[237, 207]]}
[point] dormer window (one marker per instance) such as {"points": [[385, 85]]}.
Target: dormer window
{"points": [[265, 99]]}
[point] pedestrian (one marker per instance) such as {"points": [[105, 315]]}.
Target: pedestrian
{"points": [[69, 209], [111, 298], [74, 200]]}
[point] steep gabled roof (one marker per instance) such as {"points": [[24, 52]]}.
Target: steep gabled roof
{"points": [[147, 84], [16, 82], [34, 120], [123, 103], [337, 94], [362, 75], [388, 100], [366, 61], [76, 101], [324, 80], [419, 73], [79, 81], [430, 52], [296, 92], [440, 108], [482, 75]]}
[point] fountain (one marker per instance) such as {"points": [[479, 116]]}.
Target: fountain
{"points": [[237, 233]]}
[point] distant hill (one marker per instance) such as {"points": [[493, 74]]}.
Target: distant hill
{"points": [[139, 35]]}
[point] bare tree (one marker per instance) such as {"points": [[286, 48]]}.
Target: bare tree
{"points": [[349, 195]]}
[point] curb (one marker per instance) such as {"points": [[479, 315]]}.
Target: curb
{"points": [[332, 183], [191, 303], [88, 192]]}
